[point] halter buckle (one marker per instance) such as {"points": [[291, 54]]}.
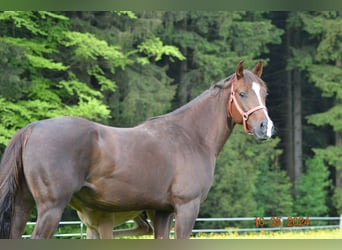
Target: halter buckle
{"points": [[245, 116]]}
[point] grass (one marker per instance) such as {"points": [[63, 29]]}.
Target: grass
{"points": [[299, 234], [293, 234]]}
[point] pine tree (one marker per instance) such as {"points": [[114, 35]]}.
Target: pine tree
{"points": [[213, 43], [274, 191], [52, 67], [323, 63], [143, 88], [46, 85], [313, 188], [248, 181]]}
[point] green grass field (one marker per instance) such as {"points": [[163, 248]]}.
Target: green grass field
{"points": [[293, 234], [302, 234]]}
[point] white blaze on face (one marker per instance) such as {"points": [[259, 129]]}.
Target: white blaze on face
{"points": [[256, 88]]}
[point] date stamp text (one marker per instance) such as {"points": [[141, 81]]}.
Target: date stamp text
{"points": [[282, 221]]}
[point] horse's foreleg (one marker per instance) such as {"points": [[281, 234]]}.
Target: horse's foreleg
{"points": [[90, 222], [143, 227], [162, 224], [185, 218], [105, 228], [92, 233]]}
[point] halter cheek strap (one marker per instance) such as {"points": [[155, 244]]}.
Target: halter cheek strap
{"points": [[245, 115]]}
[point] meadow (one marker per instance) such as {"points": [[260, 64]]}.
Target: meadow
{"points": [[298, 234], [302, 234]]}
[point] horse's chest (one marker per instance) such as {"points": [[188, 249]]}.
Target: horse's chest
{"points": [[193, 181]]}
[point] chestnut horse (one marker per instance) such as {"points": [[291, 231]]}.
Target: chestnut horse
{"points": [[164, 166]]}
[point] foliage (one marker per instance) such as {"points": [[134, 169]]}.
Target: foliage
{"points": [[136, 105], [143, 89], [51, 70], [313, 188], [337, 199], [273, 193], [324, 70], [213, 43], [121, 67], [45, 79], [248, 181]]}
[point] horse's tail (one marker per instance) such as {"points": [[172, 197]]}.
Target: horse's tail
{"points": [[11, 178]]}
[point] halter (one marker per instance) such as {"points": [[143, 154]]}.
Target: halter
{"points": [[245, 115]]}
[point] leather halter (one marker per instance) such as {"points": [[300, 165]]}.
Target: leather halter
{"points": [[245, 114]]}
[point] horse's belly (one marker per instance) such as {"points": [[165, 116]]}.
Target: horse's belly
{"points": [[122, 197]]}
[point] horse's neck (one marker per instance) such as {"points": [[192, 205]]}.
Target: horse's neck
{"points": [[206, 120]]}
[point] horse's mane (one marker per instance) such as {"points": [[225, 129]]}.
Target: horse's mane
{"points": [[225, 83], [213, 90], [182, 108]]}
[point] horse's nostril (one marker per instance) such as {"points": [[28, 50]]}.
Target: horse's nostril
{"points": [[263, 125]]}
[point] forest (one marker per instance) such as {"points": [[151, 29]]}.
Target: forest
{"points": [[121, 67]]}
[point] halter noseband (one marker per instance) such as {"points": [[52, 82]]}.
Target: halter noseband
{"points": [[245, 115]]}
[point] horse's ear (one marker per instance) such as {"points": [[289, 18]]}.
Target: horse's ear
{"points": [[258, 69], [239, 70]]}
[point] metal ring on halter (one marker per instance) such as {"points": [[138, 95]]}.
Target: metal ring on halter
{"points": [[245, 116]]}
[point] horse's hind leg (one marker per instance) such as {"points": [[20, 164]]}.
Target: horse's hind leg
{"points": [[49, 215], [24, 204], [52, 195], [143, 227], [162, 221]]}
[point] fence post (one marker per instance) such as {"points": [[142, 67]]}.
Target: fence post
{"points": [[282, 221], [81, 230], [341, 222]]}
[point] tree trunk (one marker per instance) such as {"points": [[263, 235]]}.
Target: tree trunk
{"points": [[297, 128], [294, 150], [338, 173], [338, 139], [182, 86], [289, 128], [338, 135], [183, 69]]}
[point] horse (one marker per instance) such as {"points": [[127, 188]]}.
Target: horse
{"points": [[98, 228], [164, 165]]}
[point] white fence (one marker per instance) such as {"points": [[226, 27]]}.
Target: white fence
{"points": [[279, 224]]}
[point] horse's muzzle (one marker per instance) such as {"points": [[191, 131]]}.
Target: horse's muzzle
{"points": [[264, 129]]}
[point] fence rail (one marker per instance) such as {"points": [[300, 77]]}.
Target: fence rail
{"points": [[81, 234]]}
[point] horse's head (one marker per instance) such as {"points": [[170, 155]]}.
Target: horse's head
{"points": [[247, 102]]}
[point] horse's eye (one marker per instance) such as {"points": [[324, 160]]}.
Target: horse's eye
{"points": [[242, 94]]}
